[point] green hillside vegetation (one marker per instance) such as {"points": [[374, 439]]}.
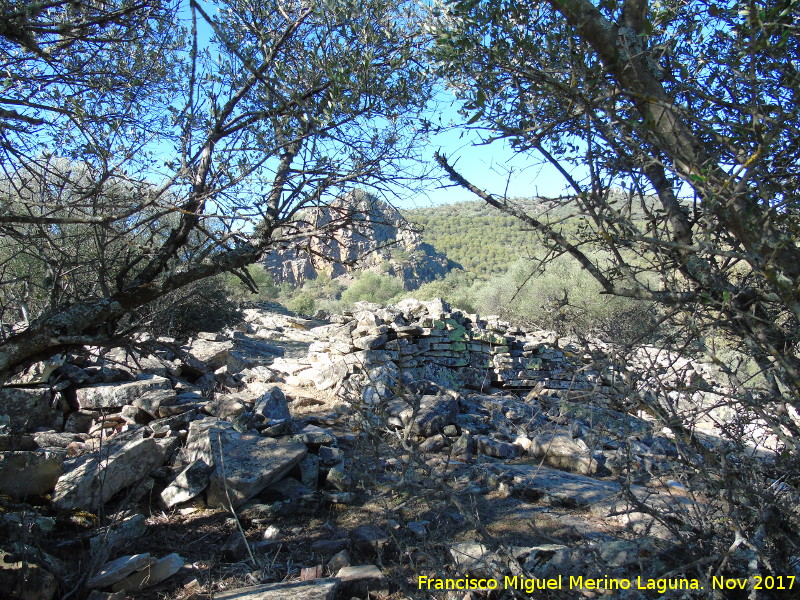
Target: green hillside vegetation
{"points": [[504, 273], [483, 241]]}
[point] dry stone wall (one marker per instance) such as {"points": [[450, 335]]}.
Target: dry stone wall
{"points": [[373, 349]]}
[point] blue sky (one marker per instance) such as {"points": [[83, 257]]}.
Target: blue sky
{"points": [[492, 167]]}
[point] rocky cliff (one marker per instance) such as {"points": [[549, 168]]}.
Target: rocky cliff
{"points": [[361, 233]]}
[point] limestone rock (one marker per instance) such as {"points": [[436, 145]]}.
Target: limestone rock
{"points": [[211, 353], [369, 539], [29, 473], [357, 581], [38, 372], [434, 413], [188, 484], [92, 479], [338, 561], [151, 575], [117, 395], [316, 589], [272, 404], [560, 488], [246, 464], [560, 450], [118, 569], [28, 408]]}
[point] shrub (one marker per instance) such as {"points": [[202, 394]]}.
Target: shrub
{"points": [[372, 288]]}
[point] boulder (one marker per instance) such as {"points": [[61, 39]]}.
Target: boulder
{"points": [[29, 473], [211, 353], [272, 404], [244, 465], [117, 395], [369, 539], [92, 479], [28, 408], [560, 450], [358, 580], [433, 414], [38, 372], [560, 488]]}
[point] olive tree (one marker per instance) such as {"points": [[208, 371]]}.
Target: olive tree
{"points": [[142, 143], [674, 126]]}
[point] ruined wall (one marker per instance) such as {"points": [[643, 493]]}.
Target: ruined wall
{"points": [[375, 349]]}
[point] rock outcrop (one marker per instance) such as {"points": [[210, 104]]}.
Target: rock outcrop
{"points": [[359, 232]]}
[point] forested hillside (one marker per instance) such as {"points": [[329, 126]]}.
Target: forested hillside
{"points": [[484, 241]]}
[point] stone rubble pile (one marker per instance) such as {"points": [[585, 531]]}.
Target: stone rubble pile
{"points": [[375, 347], [96, 434], [214, 426]]}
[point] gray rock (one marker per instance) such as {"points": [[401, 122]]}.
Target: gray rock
{"points": [[151, 575], [226, 406], [246, 464], [118, 569], [328, 547], [234, 548], [272, 405], [338, 561], [309, 471], [53, 439], [371, 342], [313, 435], [92, 479], [150, 402], [118, 535], [330, 456], [189, 483], [560, 450], [476, 559], [433, 414], [212, 353], [558, 487], [117, 395], [315, 589], [496, 448], [338, 478], [369, 539], [327, 376], [28, 408], [38, 372], [29, 473], [357, 581]]}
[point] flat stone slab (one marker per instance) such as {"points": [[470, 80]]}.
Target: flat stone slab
{"points": [[117, 395], [152, 575], [244, 465], [558, 487], [93, 479], [119, 569], [315, 589], [188, 484]]}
